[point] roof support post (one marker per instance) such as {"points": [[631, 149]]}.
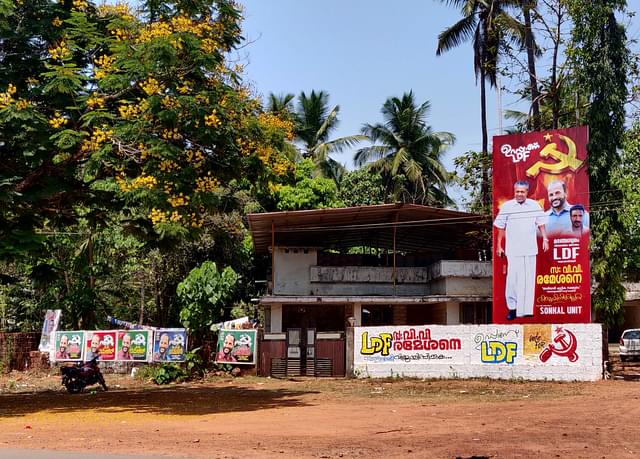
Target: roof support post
{"points": [[273, 255], [395, 271]]}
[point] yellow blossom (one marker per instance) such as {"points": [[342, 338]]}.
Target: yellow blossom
{"points": [[171, 134], [80, 5], [95, 101], [178, 200], [98, 137], [57, 121], [157, 216], [151, 86], [6, 98], [22, 104], [60, 52], [168, 165], [209, 45], [206, 184], [212, 120], [57, 22]]}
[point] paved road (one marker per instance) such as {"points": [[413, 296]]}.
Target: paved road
{"points": [[40, 454]]}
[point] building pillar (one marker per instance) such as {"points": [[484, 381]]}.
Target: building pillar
{"points": [[453, 313], [357, 314], [349, 343]]}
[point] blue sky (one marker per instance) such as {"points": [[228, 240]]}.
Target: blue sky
{"points": [[364, 51]]}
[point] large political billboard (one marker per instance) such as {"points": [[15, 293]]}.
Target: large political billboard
{"points": [[541, 227]]}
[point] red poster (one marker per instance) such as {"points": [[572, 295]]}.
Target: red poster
{"points": [[101, 344], [541, 227]]}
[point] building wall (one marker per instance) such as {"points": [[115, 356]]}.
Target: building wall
{"points": [[569, 352], [291, 266]]}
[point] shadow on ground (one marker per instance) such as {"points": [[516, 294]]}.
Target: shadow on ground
{"points": [[173, 400]]}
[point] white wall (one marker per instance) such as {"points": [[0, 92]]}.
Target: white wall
{"points": [[475, 351]]}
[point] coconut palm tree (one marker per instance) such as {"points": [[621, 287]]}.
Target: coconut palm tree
{"points": [[487, 24], [314, 123], [407, 152], [281, 104]]}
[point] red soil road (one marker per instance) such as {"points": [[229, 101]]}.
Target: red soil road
{"points": [[262, 418]]}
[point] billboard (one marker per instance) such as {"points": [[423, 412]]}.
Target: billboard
{"points": [[101, 344], [236, 346], [541, 227], [68, 346], [169, 345], [49, 327], [134, 345]]}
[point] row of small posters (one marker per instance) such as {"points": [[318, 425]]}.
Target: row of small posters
{"points": [[160, 345]]}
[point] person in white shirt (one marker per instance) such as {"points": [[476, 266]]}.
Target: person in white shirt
{"points": [[518, 221]]}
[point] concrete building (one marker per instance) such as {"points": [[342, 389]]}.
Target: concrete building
{"points": [[393, 264]]}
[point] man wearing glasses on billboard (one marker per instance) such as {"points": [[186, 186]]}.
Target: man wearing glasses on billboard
{"points": [[518, 221]]}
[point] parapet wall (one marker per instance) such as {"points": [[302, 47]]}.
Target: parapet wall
{"points": [[562, 352]]}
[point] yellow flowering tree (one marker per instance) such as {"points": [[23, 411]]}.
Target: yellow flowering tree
{"points": [[138, 110]]}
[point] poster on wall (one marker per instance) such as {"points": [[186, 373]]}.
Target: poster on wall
{"points": [[49, 327], [134, 345], [169, 345], [68, 346], [236, 346], [541, 227], [101, 344]]}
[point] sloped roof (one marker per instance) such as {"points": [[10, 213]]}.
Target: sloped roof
{"points": [[417, 228]]}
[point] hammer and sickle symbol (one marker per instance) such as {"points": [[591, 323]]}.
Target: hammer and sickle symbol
{"points": [[566, 344], [564, 160]]}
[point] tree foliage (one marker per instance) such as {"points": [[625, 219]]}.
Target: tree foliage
{"points": [[601, 58], [408, 153], [204, 294]]}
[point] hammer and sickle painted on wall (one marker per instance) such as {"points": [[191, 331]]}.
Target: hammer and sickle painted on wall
{"points": [[564, 160]]}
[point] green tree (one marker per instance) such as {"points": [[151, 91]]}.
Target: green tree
{"points": [[408, 153], [308, 191], [601, 61], [204, 294], [487, 24], [363, 187]]}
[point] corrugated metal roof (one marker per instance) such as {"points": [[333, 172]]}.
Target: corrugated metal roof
{"points": [[417, 228]]}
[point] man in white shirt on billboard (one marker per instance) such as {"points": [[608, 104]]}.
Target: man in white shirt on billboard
{"points": [[518, 221]]}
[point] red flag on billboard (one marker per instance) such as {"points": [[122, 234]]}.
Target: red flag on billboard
{"points": [[541, 227]]}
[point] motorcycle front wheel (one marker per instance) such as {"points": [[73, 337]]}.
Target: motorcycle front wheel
{"points": [[73, 386]]}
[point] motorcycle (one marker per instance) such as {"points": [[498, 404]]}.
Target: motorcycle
{"points": [[76, 377]]}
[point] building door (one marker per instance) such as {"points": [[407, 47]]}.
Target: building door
{"points": [[301, 352]]}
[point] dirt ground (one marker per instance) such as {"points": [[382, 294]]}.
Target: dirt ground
{"points": [[325, 418]]}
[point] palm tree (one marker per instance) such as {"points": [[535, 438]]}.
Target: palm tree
{"points": [[487, 24], [314, 123], [407, 152], [281, 104]]}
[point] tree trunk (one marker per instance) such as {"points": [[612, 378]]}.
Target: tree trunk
{"points": [[531, 62], [484, 186], [555, 87]]}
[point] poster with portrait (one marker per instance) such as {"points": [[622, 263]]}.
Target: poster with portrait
{"points": [[169, 345], [49, 327], [134, 345], [541, 227], [68, 346], [101, 344], [236, 346]]}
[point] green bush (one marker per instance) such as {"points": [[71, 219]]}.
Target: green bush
{"points": [[162, 374]]}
